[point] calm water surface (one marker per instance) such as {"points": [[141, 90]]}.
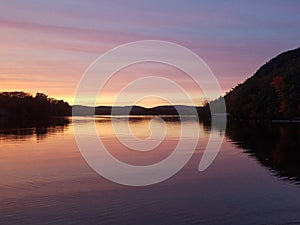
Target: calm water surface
{"points": [[254, 179]]}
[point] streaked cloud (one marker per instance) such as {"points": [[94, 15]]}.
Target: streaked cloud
{"points": [[49, 44]]}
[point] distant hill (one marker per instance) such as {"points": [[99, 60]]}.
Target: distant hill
{"points": [[273, 92], [137, 110]]}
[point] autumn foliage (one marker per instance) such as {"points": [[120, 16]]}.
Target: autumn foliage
{"points": [[273, 92]]}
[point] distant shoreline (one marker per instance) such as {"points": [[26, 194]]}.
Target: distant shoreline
{"points": [[286, 121]]}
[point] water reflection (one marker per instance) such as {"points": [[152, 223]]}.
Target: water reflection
{"points": [[274, 145], [140, 140], [27, 129]]}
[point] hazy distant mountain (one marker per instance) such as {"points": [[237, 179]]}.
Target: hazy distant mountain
{"points": [[272, 92], [135, 110]]}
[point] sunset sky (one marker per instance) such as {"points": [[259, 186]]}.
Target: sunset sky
{"points": [[47, 45]]}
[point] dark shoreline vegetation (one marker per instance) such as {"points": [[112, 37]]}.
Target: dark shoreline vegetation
{"points": [[23, 105], [273, 92]]}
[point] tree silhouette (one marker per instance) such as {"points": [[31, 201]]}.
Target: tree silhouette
{"points": [[21, 104]]}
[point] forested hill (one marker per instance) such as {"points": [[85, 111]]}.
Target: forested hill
{"points": [[21, 104], [273, 92]]}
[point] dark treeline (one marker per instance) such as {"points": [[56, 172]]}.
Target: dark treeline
{"points": [[25, 105]]}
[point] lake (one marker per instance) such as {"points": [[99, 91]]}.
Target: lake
{"points": [[44, 179]]}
